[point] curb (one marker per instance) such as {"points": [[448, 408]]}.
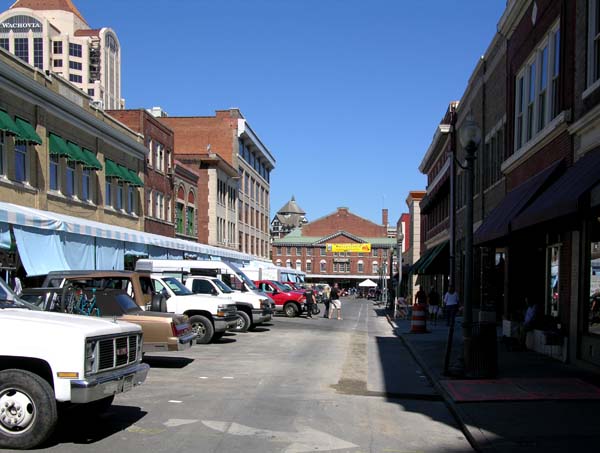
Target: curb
{"points": [[475, 437]]}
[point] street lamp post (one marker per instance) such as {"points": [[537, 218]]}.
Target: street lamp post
{"points": [[399, 240], [470, 137]]}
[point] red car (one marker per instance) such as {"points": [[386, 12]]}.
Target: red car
{"points": [[292, 303]]}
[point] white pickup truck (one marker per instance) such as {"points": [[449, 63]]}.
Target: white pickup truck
{"points": [[210, 318], [79, 360], [253, 309]]}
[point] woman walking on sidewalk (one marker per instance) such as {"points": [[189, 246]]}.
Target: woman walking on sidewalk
{"points": [[451, 305], [335, 303]]}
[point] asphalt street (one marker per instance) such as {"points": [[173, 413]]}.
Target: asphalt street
{"points": [[294, 385]]}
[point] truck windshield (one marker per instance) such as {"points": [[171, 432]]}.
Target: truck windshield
{"points": [[222, 286], [8, 299], [177, 287], [249, 283]]}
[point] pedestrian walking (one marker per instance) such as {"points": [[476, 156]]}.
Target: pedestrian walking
{"points": [[326, 300], [310, 301], [451, 305], [421, 297], [336, 303], [17, 286], [433, 299]]}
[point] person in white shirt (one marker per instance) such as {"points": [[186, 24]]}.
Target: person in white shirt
{"points": [[451, 305]]}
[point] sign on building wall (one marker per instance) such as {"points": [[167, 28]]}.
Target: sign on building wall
{"points": [[356, 248], [20, 24]]}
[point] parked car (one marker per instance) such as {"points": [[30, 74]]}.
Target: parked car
{"points": [[292, 303], [209, 318], [50, 358], [252, 309], [107, 292]]}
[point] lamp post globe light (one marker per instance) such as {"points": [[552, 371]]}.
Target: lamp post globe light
{"points": [[470, 138]]}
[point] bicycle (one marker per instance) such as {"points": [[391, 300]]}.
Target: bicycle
{"points": [[79, 304]]}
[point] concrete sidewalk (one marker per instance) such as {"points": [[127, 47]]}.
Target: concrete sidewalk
{"points": [[536, 404]]}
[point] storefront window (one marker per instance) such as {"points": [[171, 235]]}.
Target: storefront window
{"points": [[553, 271], [594, 313]]}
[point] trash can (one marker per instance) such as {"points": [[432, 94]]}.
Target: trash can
{"points": [[481, 361]]}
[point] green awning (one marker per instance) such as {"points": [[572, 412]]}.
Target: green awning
{"points": [[111, 169], [7, 124], [25, 131], [125, 176], [436, 261], [135, 179], [58, 147], [91, 161], [76, 153]]}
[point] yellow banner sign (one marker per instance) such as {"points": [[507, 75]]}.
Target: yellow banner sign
{"points": [[357, 248]]}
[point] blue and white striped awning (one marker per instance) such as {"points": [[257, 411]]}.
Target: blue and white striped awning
{"points": [[46, 220]]}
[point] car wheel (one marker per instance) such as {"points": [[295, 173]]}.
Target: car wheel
{"points": [[290, 309], [27, 409], [203, 328], [243, 323]]}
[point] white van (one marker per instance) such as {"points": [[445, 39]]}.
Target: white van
{"points": [[258, 307]]}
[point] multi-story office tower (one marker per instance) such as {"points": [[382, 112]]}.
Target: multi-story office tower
{"points": [[53, 36]]}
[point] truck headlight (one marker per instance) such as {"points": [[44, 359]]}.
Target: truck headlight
{"points": [[90, 356], [221, 311], [264, 303]]}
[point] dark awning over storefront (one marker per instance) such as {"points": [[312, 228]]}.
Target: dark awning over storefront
{"points": [[563, 197], [433, 261], [498, 222]]}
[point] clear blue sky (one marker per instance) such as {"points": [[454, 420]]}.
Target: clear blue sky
{"points": [[346, 94]]}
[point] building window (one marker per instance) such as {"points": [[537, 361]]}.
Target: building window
{"points": [[593, 316], [278, 251], [131, 199], [179, 218], [149, 203], [119, 201], [552, 276], [288, 251], [308, 266], [336, 268], [593, 44], [535, 104], [360, 267], [190, 221], [4, 43], [108, 190], [38, 53], [85, 184], [323, 252], [57, 63], [20, 161], [75, 78], [75, 65], [54, 172], [91, 92], [75, 50], [375, 268], [22, 49], [323, 266], [288, 263], [298, 265], [70, 187], [374, 252], [309, 252], [57, 47], [298, 251]]}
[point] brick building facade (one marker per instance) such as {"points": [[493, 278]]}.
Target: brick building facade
{"points": [[238, 187], [306, 249]]}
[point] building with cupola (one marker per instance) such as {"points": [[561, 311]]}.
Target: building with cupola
{"points": [[290, 216]]}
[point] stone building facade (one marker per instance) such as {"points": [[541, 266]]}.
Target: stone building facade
{"points": [[54, 37]]}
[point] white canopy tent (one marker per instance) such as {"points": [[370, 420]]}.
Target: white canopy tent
{"points": [[368, 283]]}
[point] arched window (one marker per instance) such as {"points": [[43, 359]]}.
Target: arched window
{"points": [[323, 266], [298, 265], [375, 267], [278, 263], [288, 263], [308, 266], [190, 214], [360, 267]]}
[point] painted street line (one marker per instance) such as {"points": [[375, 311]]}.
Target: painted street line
{"points": [[307, 439], [173, 422], [175, 401]]}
